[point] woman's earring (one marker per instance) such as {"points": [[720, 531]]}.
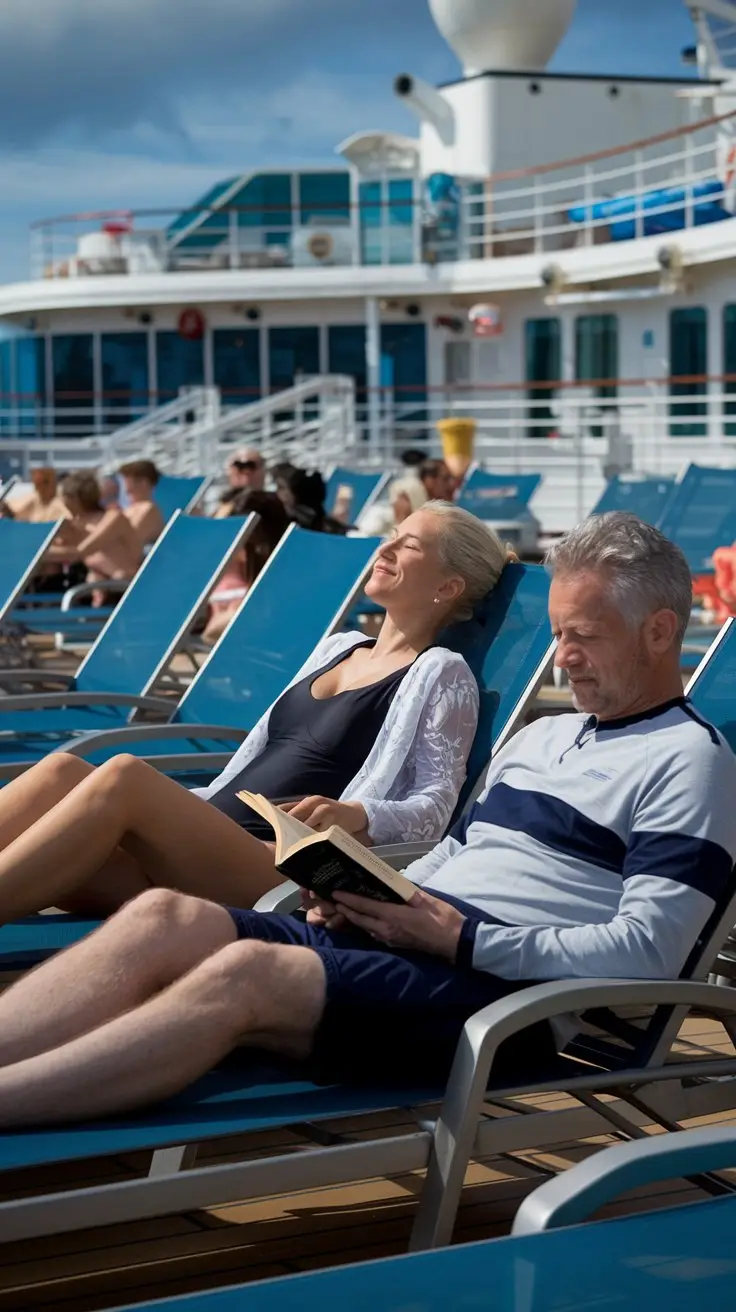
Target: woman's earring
{"points": [[436, 601]]}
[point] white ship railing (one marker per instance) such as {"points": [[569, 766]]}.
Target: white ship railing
{"points": [[676, 180]]}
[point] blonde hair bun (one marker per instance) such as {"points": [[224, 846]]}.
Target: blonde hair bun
{"points": [[470, 548]]}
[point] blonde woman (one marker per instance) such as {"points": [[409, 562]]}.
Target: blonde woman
{"points": [[371, 735]]}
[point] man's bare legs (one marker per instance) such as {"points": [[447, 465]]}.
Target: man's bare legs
{"points": [[153, 941], [174, 838], [136, 1044]]}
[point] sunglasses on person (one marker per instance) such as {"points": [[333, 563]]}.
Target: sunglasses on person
{"points": [[246, 466]]}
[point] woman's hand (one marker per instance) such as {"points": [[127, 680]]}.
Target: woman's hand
{"points": [[426, 924], [321, 812]]}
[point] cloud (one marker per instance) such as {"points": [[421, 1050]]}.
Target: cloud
{"points": [[102, 66]]}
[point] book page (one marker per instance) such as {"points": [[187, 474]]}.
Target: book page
{"points": [[288, 829]]}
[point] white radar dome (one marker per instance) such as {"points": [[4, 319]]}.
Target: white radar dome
{"points": [[503, 34]]}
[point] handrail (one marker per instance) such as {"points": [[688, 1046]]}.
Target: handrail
{"points": [[671, 135]]}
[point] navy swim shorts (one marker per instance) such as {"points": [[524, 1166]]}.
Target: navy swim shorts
{"points": [[392, 1015]]}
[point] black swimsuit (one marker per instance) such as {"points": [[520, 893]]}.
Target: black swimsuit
{"points": [[315, 745]]}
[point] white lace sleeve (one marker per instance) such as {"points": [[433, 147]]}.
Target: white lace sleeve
{"points": [[434, 771]]}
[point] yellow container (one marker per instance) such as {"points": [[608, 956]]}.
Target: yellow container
{"points": [[458, 438]]}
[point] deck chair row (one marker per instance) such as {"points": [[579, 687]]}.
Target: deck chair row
{"points": [[617, 1081]]}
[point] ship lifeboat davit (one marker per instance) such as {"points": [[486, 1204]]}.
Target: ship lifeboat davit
{"points": [[491, 35]]}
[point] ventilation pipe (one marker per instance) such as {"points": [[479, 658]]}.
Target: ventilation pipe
{"points": [[428, 105]]}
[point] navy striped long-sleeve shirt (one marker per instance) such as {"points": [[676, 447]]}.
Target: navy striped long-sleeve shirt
{"points": [[601, 849]]}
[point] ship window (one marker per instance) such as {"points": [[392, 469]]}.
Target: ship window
{"points": [[265, 201], [6, 384], [73, 379], [291, 352], [404, 368], [346, 347], [386, 221], [324, 198], [596, 352], [543, 364], [29, 382], [236, 356], [179, 363], [689, 364], [124, 375]]}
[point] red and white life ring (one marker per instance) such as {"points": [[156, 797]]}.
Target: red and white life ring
{"points": [[191, 325]]}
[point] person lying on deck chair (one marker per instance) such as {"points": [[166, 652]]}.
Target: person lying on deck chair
{"points": [[372, 735], [601, 846]]}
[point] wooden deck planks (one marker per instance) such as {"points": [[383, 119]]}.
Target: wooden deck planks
{"points": [[274, 1236]]}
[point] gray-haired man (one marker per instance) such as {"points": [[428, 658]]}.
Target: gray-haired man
{"points": [[600, 847]]}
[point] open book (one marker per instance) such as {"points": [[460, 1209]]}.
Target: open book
{"points": [[328, 861]]}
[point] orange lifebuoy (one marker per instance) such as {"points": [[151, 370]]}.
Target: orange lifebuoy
{"points": [[191, 325]]}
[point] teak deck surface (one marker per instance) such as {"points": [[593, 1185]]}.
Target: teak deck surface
{"points": [[279, 1235]]}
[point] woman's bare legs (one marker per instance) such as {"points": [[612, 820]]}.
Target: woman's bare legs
{"points": [[35, 792], [177, 840]]}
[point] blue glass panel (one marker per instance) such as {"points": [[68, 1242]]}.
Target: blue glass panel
{"points": [[543, 349], [291, 351], [180, 363], [406, 345], [401, 201], [371, 219], [324, 197], [596, 351], [198, 212], [124, 376], [265, 201], [29, 383], [73, 380], [688, 359], [7, 400], [346, 346], [237, 364]]}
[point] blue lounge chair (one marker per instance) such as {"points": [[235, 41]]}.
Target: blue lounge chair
{"points": [[302, 595], [241, 1096], [133, 650], [499, 497], [173, 493], [365, 489], [21, 549], [645, 497], [700, 514], [625, 1075], [674, 1257]]}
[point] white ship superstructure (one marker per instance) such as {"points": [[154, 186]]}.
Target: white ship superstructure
{"points": [[552, 254]]}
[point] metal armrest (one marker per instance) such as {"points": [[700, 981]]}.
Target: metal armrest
{"points": [[286, 898], [482, 1036], [72, 595], [36, 676], [575, 1195], [399, 855], [141, 733], [38, 701]]}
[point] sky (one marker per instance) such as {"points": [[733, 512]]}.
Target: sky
{"points": [[146, 103]]}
